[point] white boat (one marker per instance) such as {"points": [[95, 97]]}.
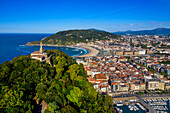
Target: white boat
{"points": [[119, 104], [119, 110]]}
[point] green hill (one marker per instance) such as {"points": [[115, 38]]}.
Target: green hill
{"points": [[63, 86], [75, 36]]}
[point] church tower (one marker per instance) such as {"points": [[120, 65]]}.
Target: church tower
{"points": [[41, 49]]}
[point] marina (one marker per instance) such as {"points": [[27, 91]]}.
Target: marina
{"points": [[133, 108], [158, 104]]}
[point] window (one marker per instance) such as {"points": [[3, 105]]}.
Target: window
{"points": [[116, 87]]}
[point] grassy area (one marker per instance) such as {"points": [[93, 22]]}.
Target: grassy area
{"points": [[165, 62], [140, 93], [156, 91], [151, 69], [148, 68], [165, 75], [140, 64], [162, 53]]}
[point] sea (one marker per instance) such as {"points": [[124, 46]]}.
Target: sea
{"points": [[13, 45]]}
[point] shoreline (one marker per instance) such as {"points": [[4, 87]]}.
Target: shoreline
{"points": [[93, 51]]}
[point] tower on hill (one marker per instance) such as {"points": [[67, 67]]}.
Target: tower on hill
{"points": [[39, 55], [41, 49]]}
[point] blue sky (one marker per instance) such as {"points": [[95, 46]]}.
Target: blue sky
{"points": [[50, 16]]}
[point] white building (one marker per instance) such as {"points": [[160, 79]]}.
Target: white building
{"points": [[142, 52], [39, 55]]}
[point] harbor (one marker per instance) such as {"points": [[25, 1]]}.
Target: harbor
{"points": [[131, 108], [160, 105], [157, 104]]}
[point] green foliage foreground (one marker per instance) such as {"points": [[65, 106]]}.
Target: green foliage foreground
{"points": [[63, 86]]}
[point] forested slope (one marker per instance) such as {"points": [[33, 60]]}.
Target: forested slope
{"points": [[63, 86], [72, 37]]}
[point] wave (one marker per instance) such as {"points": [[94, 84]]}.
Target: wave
{"points": [[22, 45], [76, 55], [79, 50], [75, 49], [23, 50], [81, 53]]}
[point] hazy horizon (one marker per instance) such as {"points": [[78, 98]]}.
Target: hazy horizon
{"points": [[72, 29]]}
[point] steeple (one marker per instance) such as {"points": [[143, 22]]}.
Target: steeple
{"points": [[41, 49]]}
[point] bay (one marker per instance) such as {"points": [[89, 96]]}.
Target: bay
{"points": [[13, 45]]}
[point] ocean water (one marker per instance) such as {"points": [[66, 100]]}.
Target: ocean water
{"points": [[13, 45]]}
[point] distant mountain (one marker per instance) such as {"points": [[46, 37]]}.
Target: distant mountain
{"points": [[72, 37], [158, 31]]}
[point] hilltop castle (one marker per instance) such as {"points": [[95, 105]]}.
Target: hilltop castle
{"points": [[39, 55]]}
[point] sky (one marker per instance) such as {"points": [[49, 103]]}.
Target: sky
{"points": [[51, 16]]}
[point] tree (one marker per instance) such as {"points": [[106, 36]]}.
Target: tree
{"points": [[41, 90], [53, 107], [75, 96], [73, 71], [60, 66]]}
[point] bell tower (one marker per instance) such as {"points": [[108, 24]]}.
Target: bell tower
{"points": [[41, 49]]}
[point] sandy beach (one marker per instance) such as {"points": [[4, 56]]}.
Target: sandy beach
{"points": [[93, 51]]}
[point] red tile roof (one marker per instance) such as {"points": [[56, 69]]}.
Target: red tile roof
{"points": [[36, 52], [38, 56], [100, 76], [115, 83]]}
